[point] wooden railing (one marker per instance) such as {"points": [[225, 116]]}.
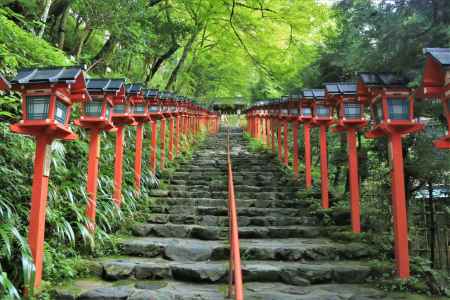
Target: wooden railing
{"points": [[235, 272]]}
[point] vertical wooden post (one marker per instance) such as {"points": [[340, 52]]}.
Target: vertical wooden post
{"points": [[295, 150], [39, 195], [354, 179], [399, 207], [307, 138], [92, 176], [162, 145], [286, 143], [269, 132], [273, 128], [177, 139], [117, 196], [171, 136], [138, 157], [280, 145], [153, 146], [324, 166], [257, 128]]}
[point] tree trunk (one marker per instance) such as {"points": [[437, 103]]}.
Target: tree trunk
{"points": [[159, 61], [105, 53], [86, 34], [44, 18], [62, 27], [186, 50]]}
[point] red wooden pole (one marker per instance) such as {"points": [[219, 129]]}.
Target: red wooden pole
{"points": [[399, 207], [117, 196], [153, 146], [324, 166], [280, 146], [257, 128], [269, 131], [295, 150], [138, 157], [273, 128], [286, 143], [177, 140], [171, 137], [92, 175], [162, 145], [307, 138], [39, 195], [354, 179]]}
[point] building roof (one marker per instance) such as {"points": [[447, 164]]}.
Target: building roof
{"points": [[441, 55], [341, 88], [105, 85], [314, 94], [383, 79], [48, 75], [134, 88]]}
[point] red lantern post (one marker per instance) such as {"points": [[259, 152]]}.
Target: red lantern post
{"points": [[284, 118], [392, 108], [96, 117], [436, 84], [350, 117], [306, 118], [140, 114], [47, 99], [155, 114], [323, 119], [294, 114]]}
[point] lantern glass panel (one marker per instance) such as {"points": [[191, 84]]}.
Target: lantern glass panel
{"points": [[61, 111], [154, 108], [352, 110], [93, 108], [322, 111], [37, 107], [398, 109], [119, 108], [293, 111], [284, 111], [306, 111], [139, 109], [108, 111]]}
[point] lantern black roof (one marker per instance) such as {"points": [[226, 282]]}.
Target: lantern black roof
{"points": [[104, 85], [383, 79], [165, 95], [151, 93], [5, 82], [441, 55], [296, 97], [48, 75], [316, 94], [134, 88], [341, 88]]}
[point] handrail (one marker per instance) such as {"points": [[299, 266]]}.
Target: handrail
{"points": [[235, 256]]}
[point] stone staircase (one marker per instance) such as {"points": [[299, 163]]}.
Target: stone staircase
{"points": [[182, 251]]}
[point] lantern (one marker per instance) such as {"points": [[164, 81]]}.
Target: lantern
{"points": [[47, 99], [139, 105], [155, 114], [122, 108], [4, 84], [392, 107], [350, 116], [436, 84]]}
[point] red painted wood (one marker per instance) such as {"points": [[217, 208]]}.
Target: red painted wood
{"points": [[117, 196], [177, 135], [399, 207], [171, 137], [138, 157], [324, 166], [39, 195], [286, 143], [92, 177], [153, 146], [280, 145], [307, 138], [354, 180], [162, 145], [295, 147], [273, 128]]}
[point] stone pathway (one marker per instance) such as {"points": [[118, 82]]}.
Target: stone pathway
{"points": [[182, 251]]}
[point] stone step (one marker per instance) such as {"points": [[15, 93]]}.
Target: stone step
{"points": [[212, 233], [222, 186], [292, 249], [293, 273], [223, 211], [238, 195], [209, 220], [240, 180], [88, 289], [224, 202]]}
